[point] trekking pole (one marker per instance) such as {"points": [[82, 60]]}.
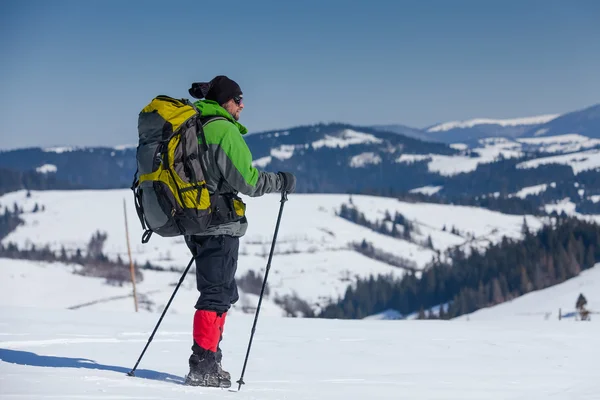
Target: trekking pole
{"points": [[262, 290], [131, 266], [132, 372]]}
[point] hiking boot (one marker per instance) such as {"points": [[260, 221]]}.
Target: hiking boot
{"points": [[218, 358], [205, 371]]}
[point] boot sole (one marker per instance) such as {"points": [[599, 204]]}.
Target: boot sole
{"points": [[208, 381]]}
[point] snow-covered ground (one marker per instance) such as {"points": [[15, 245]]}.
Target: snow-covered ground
{"points": [[540, 305], [427, 190], [561, 143], [346, 138], [313, 258], [488, 151], [579, 161], [545, 304], [54, 285], [46, 168], [532, 190], [61, 354], [580, 152]]}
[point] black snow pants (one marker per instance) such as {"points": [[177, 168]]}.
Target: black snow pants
{"points": [[216, 263]]}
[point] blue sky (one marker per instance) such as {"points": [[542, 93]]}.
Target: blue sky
{"points": [[79, 72]]}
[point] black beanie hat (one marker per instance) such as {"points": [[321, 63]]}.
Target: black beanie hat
{"points": [[221, 89]]}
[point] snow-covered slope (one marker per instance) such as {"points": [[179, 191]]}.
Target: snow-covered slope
{"points": [[545, 304], [486, 151], [313, 257], [579, 161], [446, 126], [584, 122], [54, 285], [60, 354], [570, 149], [479, 128], [560, 143]]}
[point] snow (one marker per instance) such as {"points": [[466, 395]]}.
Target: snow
{"points": [[388, 314], [283, 152], [595, 198], [545, 304], [346, 138], [410, 158], [277, 134], [125, 146], [65, 336], [459, 146], [77, 354], [580, 161], [313, 256], [59, 149], [531, 190], [46, 168], [261, 162], [565, 205], [427, 190], [540, 119], [54, 285], [364, 159], [489, 150], [453, 165], [561, 143]]}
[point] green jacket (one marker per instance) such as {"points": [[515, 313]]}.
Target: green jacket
{"points": [[229, 161]]}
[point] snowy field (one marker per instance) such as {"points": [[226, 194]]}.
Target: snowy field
{"points": [[579, 161], [54, 285], [60, 354], [577, 151], [313, 258]]}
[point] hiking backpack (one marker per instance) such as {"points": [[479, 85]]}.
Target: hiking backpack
{"points": [[170, 192]]}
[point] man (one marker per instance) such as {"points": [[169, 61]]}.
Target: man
{"points": [[228, 168]]}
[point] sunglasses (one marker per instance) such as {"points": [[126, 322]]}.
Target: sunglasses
{"points": [[238, 100]]}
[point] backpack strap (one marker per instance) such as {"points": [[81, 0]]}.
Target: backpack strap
{"points": [[205, 121]]}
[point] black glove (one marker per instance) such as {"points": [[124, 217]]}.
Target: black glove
{"points": [[288, 182]]}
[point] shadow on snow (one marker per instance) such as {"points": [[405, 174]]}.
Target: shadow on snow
{"points": [[36, 360]]}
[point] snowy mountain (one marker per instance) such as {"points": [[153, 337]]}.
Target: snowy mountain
{"points": [[341, 158], [315, 258], [486, 151], [73, 167], [479, 128], [325, 157], [584, 122], [407, 131]]}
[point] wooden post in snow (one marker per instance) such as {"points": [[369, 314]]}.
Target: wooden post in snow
{"points": [[131, 267]]}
